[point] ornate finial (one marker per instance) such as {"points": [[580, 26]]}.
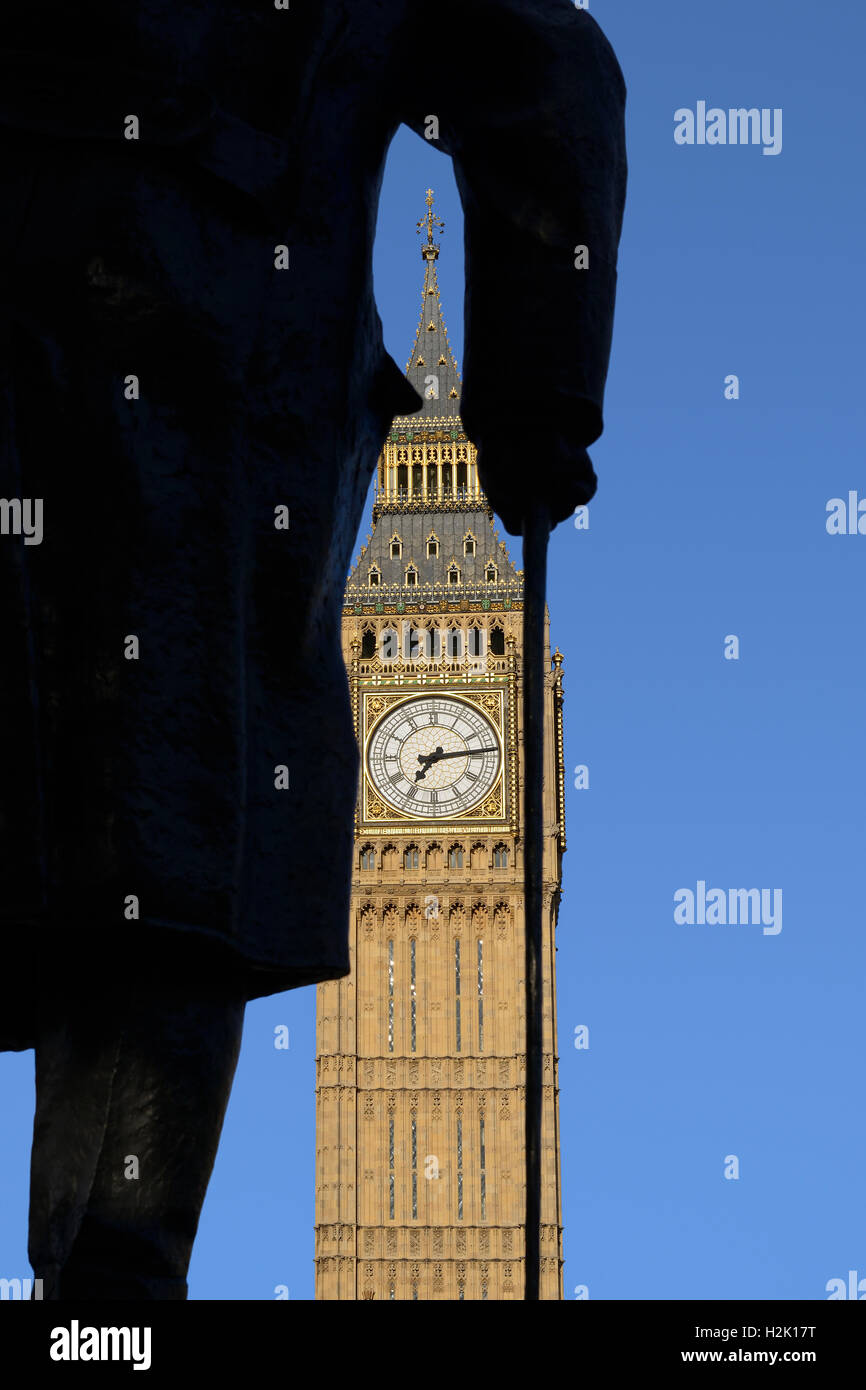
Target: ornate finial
{"points": [[557, 658], [430, 251]]}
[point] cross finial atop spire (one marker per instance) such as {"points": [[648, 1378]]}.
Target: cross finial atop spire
{"points": [[431, 219]]}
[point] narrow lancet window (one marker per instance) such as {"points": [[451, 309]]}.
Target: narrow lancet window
{"points": [[414, 1169], [390, 996], [412, 999], [483, 1175], [457, 986], [391, 1167]]}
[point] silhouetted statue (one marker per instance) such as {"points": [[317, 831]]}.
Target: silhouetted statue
{"points": [[194, 391]]}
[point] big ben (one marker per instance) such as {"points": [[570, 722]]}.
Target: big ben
{"points": [[421, 1049]]}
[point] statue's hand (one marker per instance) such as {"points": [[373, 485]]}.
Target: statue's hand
{"points": [[518, 467]]}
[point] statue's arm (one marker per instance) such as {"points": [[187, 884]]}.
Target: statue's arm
{"points": [[531, 103]]}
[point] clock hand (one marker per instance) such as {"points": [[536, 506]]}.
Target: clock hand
{"points": [[463, 753], [429, 758]]}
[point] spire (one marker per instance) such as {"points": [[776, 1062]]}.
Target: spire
{"points": [[431, 368], [433, 541]]}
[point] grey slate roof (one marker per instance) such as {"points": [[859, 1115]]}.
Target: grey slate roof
{"points": [[450, 527]]}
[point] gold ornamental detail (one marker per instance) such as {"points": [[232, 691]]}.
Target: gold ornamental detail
{"points": [[377, 703]]}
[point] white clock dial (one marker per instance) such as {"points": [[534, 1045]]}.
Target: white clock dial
{"points": [[434, 756]]}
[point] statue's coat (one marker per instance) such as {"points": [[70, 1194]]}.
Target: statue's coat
{"points": [[148, 785]]}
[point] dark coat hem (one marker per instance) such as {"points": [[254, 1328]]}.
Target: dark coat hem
{"points": [[206, 956]]}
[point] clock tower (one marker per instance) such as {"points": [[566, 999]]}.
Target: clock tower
{"points": [[421, 1050]]}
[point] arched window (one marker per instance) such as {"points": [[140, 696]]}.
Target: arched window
{"points": [[368, 644], [411, 857], [368, 857], [476, 637], [469, 545], [490, 574], [455, 857], [478, 856], [389, 857], [396, 547], [500, 857], [415, 643], [453, 575], [389, 645], [497, 641], [432, 547], [375, 578], [411, 575], [454, 643], [433, 857]]}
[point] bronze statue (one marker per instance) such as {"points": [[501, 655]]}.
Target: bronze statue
{"points": [[194, 391]]}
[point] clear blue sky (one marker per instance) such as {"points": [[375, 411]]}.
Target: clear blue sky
{"points": [[705, 1040]]}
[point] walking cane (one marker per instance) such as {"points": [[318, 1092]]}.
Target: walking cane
{"points": [[536, 533]]}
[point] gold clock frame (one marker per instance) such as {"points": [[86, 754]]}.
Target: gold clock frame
{"points": [[493, 812]]}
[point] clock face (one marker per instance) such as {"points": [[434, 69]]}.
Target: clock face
{"points": [[434, 756]]}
